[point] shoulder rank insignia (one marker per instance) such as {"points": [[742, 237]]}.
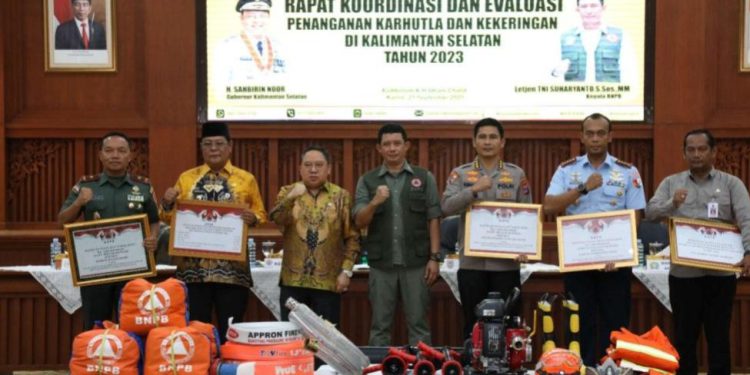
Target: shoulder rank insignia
{"points": [[90, 178], [623, 164], [141, 179], [453, 177], [568, 162]]}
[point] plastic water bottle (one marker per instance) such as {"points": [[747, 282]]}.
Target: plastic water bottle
{"points": [[55, 248], [641, 254], [251, 260]]}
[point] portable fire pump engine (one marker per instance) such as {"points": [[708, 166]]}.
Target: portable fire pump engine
{"points": [[499, 343]]}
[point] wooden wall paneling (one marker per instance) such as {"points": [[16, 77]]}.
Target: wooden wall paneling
{"points": [[347, 181], [251, 155], [13, 64], [733, 156], [681, 63], [169, 86], [41, 173], [424, 148], [444, 155], [273, 167], [5, 323], [539, 159], [365, 157], [4, 22], [640, 154]]}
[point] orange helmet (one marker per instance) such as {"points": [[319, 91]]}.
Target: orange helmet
{"points": [[560, 362]]}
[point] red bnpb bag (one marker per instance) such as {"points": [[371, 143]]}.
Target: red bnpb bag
{"points": [[144, 305], [213, 335], [106, 351], [177, 351]]}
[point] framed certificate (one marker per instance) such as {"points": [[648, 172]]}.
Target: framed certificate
{"points": [[503, 230], [204, 229], [109, 250], [590, 241], [705, 244]]}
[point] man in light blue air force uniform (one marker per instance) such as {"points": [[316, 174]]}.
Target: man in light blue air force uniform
{"points": [[597, 182]]}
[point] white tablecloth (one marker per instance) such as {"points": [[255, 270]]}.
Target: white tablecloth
{"points": [[450, 274], [657, 282], [59, 283]]}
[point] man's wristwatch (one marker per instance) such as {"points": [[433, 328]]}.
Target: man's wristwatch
{"points": [[348, 273], [438, 257], [582, 189]]}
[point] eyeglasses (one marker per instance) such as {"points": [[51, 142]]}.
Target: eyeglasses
{"points": [[217, 144]]}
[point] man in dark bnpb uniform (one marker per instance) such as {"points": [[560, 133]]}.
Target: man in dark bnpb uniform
{"points": [[112, 193], [399, 205], [597, 182], [487, 178]]}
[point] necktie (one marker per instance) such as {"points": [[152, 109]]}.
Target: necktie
{"points": [[260, 48], [85, 36]]}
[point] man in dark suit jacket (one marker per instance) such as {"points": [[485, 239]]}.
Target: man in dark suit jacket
{"points": [[69, 35]]}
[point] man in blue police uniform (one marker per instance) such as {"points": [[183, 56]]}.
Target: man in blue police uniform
{"points": [[110, 194], [597, 182], [593, 51]]}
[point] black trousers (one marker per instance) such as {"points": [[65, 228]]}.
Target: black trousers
{"points": [[99, 302], [474, 285], [702, 301], [604, 302], [228, 300], [324, 303]]}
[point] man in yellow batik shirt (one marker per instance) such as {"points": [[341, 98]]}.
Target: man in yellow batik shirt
{"points": [[320, 241], [220, 284]]}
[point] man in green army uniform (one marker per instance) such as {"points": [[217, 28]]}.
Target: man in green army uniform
{"points": [[110, 194]]}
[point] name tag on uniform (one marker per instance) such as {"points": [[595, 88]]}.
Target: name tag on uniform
{"points": [[713, 210], [135, 198]]}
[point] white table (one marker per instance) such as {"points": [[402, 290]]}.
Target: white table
{"points": [[59, 283]]}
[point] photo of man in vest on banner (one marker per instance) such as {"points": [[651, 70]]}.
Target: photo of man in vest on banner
{"points": [[594, 51]]}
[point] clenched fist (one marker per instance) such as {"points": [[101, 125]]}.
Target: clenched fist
{"points": [[594, 182], [84, 196], [169, 196], [298, 189], [381, 195], [484, 183]]}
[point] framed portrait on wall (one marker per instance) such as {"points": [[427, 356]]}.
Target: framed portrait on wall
{"points": [[79, 36], [745, 36]]}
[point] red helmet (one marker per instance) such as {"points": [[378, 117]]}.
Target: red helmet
{"points": [[560, 362]]}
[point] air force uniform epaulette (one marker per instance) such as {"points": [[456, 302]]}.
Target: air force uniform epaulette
{"points": [[621, 185], [568, 162], [623, 163]]}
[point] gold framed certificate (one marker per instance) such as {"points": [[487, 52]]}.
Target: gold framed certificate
{"points": [[205, 229], [109, 250], [503, 230], [705, 244], [590, 241]]}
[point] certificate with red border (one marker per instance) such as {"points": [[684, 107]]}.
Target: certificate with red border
{"points": [[590, 241], [705, 244], [204, 229], [503, 230], [109, 250]]}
